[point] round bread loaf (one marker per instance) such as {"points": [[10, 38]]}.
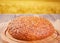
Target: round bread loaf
{"points": [[30, 28]]}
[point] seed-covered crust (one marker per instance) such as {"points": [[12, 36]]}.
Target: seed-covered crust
{"points": [[30, 28]]}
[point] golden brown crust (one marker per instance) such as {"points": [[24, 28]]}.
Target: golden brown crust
{"points": [[30, 28]]}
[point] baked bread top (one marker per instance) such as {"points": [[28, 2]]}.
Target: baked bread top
{"points": [[30, 28]]}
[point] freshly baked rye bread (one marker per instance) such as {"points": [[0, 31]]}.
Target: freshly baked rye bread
{"points": [[30, 28]]}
